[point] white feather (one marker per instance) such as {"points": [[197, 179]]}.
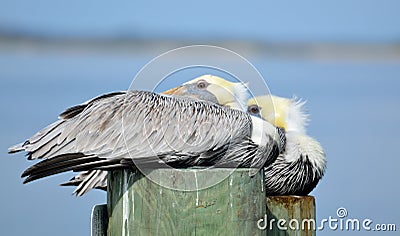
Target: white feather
{"points": [[298, 144], [297, 118], [241, 94], [262, 131]]}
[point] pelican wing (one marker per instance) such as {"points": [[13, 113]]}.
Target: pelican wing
{"points": [[112, 130], [87, 180], [97, 179]]}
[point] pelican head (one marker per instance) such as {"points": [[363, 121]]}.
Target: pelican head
{"points": [[214, 89], [282, 112]]}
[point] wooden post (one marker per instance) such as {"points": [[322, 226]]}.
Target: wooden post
{"points": [[138, 206], [234, 206], [290, 216], [99, 220]]}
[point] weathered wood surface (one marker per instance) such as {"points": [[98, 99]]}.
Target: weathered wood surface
{"points": [[99, 220], [290, 216], [138, 206]]}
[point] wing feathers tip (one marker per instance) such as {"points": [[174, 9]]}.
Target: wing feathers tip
{"points": [[16, 148]]}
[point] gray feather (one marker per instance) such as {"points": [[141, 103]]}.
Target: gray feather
{"points": [[149, 129]]}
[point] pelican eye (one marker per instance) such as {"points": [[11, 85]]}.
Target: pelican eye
{"points": [[202, 84], [254, 109]]}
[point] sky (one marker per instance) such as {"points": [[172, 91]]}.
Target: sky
{"points": [[353, 104]]}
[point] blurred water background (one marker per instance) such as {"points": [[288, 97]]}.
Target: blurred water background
{"points": [[343, 57]]}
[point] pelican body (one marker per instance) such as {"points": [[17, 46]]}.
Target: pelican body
{"points": [[139, 128]]}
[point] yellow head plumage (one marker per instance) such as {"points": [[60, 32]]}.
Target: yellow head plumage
{"points": [[282, 112], [233, 94]]}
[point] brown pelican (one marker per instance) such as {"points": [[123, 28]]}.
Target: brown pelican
{"points": [[296, 171], [157, 129], [299, 168]]}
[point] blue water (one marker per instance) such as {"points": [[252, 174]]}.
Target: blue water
{"points": [[307, 20], [354, 109]]}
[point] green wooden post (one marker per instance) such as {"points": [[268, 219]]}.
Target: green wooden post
{"points": [[235, 206], [99, 220], [138, 206], [290, 216]]}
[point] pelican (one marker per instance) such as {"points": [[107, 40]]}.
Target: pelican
{"points": [[158, 129], [207, 87], [296, 171], [299, 168]]}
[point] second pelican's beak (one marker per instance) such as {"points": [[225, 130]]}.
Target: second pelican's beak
{"points": [[180, 90]]}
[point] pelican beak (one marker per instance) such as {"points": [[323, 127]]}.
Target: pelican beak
{"points": [[180, 90]]}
